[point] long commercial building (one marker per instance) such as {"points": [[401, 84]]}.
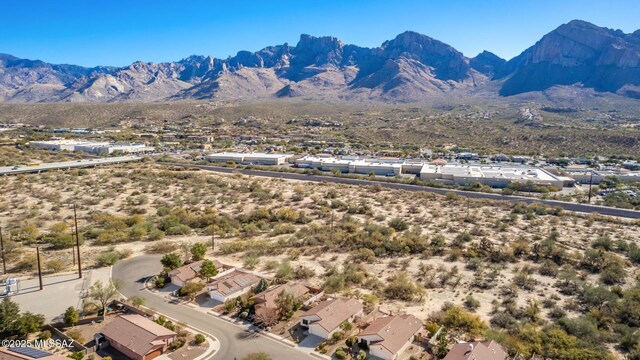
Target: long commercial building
{"points": [[91, 147], [490, 175], [585, 176], [249, 158]]}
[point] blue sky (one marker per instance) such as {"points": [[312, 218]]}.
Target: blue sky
{"points": [[115, 32]]}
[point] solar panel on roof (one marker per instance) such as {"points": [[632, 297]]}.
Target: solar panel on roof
{"points": [[30, 352]]}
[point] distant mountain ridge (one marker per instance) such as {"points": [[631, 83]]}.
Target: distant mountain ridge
{"points": [[411, 67]]}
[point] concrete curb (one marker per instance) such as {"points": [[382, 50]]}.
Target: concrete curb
{"points": [[211, 350], [270, 335], [215, 346]]}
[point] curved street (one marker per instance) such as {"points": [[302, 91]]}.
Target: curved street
{"points": [[235, 341]]}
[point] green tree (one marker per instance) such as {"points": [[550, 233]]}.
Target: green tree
{"points": [[9, 314], [71, 316], [191, 289], [171, 261], [138, 301], [286, 304], [198, 250], [29, 323], [103, 294], [208, 270]]}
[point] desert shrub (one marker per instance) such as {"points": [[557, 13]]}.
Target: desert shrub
{"points": [[107, 258], [199, 339], [55, 265], [458, 318], [398, 224], [401, 287], [471, 303]]}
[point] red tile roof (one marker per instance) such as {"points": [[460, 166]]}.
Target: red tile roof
{"points": [[395, 331], [233, 282], [136, 333], [486, 350], [333, 312]]}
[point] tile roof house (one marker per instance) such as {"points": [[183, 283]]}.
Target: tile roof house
{"points": [[325, 318], [27, 353], [388, 336], [232, 285], [265, 302], [137, 337], [485, 350], [180, 276]]}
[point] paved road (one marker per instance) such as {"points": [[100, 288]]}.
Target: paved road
{"points": [[84, 163], [235, 342], [603, 210]]}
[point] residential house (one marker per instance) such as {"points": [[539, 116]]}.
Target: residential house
{"points": [[388, 336], [265, 302], [485, 350], [137, 337], [232, 285], [325, 318], [182, 275]]}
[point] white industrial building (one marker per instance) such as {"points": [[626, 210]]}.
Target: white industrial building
{"points": [[351, 165], [96, 148], [249, 158], [584, 176], [91, 147], [62, 145], [491, 175]]}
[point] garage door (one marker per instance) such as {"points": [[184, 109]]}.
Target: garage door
{"points": [[153, 354]]}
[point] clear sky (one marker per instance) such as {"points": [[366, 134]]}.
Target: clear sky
{"points": [[116, 32]]}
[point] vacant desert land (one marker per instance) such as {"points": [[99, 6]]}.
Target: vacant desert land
{"points": [[400, 251]]}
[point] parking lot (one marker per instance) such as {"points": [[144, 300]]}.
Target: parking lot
{"points": [[59, 292]]}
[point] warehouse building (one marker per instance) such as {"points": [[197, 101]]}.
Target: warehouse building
{"points": [[62, 145], [97, 148], [490, 175], [249, 158], [91, 147]]}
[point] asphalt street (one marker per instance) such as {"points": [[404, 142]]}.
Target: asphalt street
{"points": [[585, 208], [235, 341]]}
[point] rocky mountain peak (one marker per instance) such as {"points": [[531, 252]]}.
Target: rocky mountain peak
{"points": [[487, 63]]}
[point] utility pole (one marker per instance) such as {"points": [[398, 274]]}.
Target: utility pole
{"points": [[213, 240], [4, 262], [590, 183], [73, 250], [75, 219], [39, 268]]}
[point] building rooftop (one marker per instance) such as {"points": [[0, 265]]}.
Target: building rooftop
{"points": [[233, 282], [489, 171], [190, 271], [395, 331], [136, 333], [486, 350], [333, 312]]}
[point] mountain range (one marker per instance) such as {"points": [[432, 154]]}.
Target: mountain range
{"points": [[411, 67]]}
